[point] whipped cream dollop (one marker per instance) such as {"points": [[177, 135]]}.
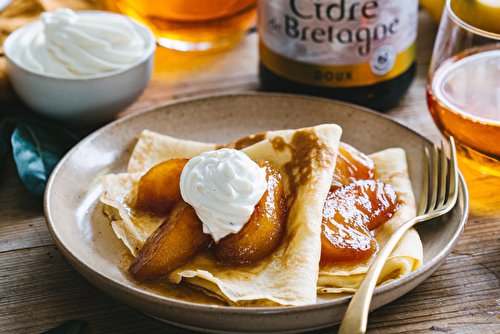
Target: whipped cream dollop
{"points": [[223, 186], [85, 43]]}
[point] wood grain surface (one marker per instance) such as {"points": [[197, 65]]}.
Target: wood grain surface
{"points": [[40, 290]]}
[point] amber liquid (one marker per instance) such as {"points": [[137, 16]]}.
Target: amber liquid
{"points": [[380, 96], [192, 25], [464, 99]]}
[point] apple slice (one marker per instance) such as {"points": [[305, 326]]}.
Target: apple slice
{"points": [[178, 239]]}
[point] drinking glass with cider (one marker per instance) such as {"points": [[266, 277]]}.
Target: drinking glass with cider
{"points": [[194, 25], [463, 89]]}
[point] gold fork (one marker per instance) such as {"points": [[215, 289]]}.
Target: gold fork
{"points": [[439, 195]]}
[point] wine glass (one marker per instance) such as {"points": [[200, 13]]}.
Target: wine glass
{"points": [[463, 88]]}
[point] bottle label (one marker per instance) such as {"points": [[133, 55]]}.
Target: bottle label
{"points": [[338, 43]]}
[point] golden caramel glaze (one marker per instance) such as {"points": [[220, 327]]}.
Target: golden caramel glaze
{"points": [[249, 140], [350, 213], [264, 231], [159, 189], [178, 239], [306, 153], [351, 165]]}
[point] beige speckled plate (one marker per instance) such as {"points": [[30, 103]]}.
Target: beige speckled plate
{"points": [[75, 219]]}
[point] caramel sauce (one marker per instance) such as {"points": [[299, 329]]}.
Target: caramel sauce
{"points": [[248, 141], [350, 214], [351, 165], [306, 153]]}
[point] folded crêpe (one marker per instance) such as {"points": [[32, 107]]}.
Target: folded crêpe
{"points": [[306, 160], [391, 167]]}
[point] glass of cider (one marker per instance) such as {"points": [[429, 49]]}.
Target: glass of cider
{"points": [[463, 88], [192, 25]]}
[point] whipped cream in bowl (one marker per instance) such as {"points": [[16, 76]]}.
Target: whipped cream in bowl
{"points": [[223, 186], [80, 67], [76, 44]]}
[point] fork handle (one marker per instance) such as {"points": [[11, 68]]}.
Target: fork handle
{"points": [[356, 317]]}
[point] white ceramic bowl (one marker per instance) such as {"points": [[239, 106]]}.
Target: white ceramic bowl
{"points": [[82, 100]]}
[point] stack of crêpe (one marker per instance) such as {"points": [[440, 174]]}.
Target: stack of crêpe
{"points": [[329, 208]]}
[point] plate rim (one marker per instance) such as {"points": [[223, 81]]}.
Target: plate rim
{"points": [[426, 269]]}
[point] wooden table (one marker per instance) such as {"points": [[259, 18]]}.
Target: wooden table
{"points": [[40, 290]]}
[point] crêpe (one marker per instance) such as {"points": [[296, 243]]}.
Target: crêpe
{"points": [[305, 158], [391, 167]]}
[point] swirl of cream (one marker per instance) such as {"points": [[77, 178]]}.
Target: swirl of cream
{"points": [[223, 186], [85, 43]]}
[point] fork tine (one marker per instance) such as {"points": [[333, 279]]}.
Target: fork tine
{"points": [[443, 176], [453, 182], [434, 179], [425, 184]]}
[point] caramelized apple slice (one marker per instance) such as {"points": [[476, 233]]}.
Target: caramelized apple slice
{"points": [[159, 188], [349, 214], [263, 233], [178, 239], [351, 165]]}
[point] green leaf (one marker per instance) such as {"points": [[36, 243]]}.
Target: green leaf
{"points": [[36, 152], [4, 141], [70, 137], [70, 327]]}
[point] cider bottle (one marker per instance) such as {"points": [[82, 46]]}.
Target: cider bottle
{"points": [[360, 51]]}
